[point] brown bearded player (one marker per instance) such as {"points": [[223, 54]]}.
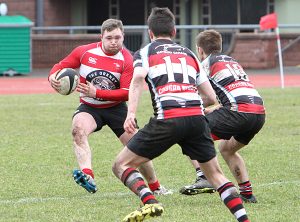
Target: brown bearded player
{"points": [[105, 70]]}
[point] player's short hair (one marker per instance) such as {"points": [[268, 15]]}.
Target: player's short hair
{"points": [[111, 24], [161, 22], [210, 41]]}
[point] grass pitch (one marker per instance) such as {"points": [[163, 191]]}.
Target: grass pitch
{"points": [[37, 160]]}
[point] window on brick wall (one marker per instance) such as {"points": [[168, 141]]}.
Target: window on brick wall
{"points": [[223, 12], [235, 11], [251, 11], [134, 16], [271, 6], [97, 13]]}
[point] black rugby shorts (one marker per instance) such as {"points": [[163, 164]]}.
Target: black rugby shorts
{"points": [[114, 117], [191, 133], [225, 123]]}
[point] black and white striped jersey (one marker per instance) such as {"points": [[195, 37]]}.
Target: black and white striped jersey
{"points": [[173, 77], [232, 84]]}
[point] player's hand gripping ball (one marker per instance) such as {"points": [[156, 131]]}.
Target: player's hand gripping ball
{"points": [[69, 79]]}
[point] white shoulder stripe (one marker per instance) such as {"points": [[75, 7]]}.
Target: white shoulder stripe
{"points": [[222, 74], [144, 56], [244, 92]]}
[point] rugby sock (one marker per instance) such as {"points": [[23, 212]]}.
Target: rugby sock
{"points": [[88, 172], [199, 173], [245, 189], [135, 182], [214, 137], [154, 186], [234, 203]]}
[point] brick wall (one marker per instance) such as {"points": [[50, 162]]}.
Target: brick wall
{"points": [[50, 49], [56, 12], [291, 57], [25, 8], [259, 51], [253, 51]]}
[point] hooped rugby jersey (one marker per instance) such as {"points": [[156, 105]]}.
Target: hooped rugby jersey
{"points": [[232, 84], [173, 77], [110, 74]]}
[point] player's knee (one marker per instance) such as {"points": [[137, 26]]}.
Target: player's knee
{"points": [[78, 134], [225, 151], [225, 148]]}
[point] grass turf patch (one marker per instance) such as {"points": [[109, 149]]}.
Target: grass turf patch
{"points": [[37, 160]]}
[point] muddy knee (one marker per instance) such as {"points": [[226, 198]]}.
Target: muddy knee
{"points": [[79, 135]]}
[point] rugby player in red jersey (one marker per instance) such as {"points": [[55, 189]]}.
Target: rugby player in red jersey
{"points": [[236, 120], [105, 70], [172, 74]]}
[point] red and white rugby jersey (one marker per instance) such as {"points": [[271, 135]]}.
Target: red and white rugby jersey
{"points": [[232, 84], [110, 74], [173, 77]]}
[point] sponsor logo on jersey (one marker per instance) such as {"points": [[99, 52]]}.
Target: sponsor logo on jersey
{"points": [[172, 88], [224, 58], [117, 65], [92, 60], [170, 48], [103, 79]]}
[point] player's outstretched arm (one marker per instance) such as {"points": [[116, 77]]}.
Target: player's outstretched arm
{"points": [[135, 90]]}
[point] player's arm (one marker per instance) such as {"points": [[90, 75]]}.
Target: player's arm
{"points": [[117, 94], [55, 84], [89, 90], [207, 94], [208, 97], [210, 109], [135, 90], [205, 89], [71, 61], [125, 79]]}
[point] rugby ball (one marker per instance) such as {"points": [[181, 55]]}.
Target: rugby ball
{"points": [[69, 79]]}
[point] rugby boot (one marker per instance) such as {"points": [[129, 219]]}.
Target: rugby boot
{"points": [[146, 212], [162, 191], [85, 180], [200, 186], [250, 199]]}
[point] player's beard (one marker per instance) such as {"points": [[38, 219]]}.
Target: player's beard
{"points": [[112, 50]]}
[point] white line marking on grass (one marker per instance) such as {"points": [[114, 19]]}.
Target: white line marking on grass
{"points": [[52, 104], [38, 200], [109, 195], [279, 183]]}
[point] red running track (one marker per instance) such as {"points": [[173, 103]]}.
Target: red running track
{"points": [[23, 85]]}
